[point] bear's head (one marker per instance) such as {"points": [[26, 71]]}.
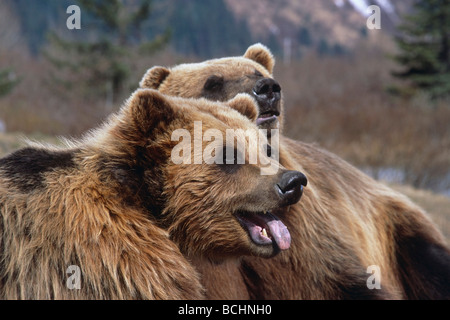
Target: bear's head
{"points": [[216, 199], [222, 79]]}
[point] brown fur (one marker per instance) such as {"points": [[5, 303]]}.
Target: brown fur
{"points": [[189, 80], [260, 54], [174, 79], [344, 223], [109, 202]]}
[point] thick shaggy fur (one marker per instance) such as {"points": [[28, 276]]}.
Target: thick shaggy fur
{"points": [[108, 203], [344, 223]]}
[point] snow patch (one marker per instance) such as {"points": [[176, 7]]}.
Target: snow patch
{"points": [[360, 6], [386, 5], [339, 3]]}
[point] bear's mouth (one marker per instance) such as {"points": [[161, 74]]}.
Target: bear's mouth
{"points": [[264, 228], [267, 117]]}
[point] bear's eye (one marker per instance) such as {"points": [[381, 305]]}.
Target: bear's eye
{"points": [[213, 83], [230, 159], [268, 149], [232, 156], [258, 74]]}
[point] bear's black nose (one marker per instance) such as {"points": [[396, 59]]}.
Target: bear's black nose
{"points": [[267, 89], [267, 93], [290, 187]]}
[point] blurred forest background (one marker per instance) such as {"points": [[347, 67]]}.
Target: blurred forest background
{"points": [[378, 98]]}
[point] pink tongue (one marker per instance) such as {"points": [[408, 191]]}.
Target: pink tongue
{"points": [[264, 119], [280, 234], [277, 231]]}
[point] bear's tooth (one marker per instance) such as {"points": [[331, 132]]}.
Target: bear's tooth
{"points": [[264, 232]]}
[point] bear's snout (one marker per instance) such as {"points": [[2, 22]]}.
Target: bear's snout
{"points": [[268, 95], [290, 187], [268, 89]]}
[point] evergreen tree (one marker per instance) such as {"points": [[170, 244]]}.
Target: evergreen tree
{"points": [[6, 82], [424, 46], [102, 64], [202, 28], [304, 37]]}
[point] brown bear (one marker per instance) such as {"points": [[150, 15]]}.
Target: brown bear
{"points": [[222, 79], [352, 237], [107, 204]]}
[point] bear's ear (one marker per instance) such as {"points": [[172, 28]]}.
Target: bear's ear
{"points": [[154, 77], [245, 105], [150, 110], [261, 54]]}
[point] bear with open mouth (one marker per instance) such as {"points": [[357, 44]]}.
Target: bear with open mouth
{"points": [[345, 223], [114, 205]]}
